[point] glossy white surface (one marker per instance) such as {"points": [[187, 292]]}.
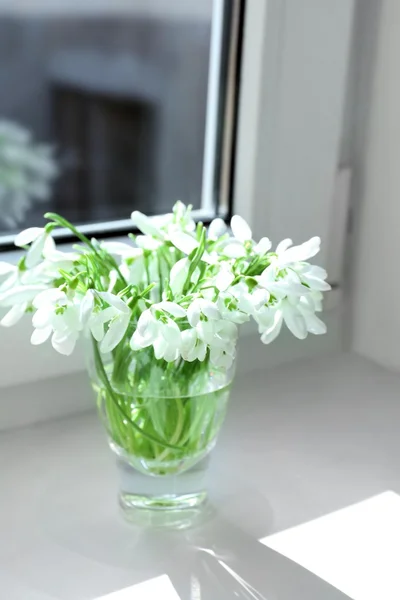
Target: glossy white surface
{"points": [[356, 549], [300, 442]]}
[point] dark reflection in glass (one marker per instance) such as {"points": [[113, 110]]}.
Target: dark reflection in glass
{"points": [[119, 100]]}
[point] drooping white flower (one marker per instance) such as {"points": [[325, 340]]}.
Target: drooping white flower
{"points": [[9, 275], [146, 225], [118, 319], [242, 242], [18, 299], [156, 328], [41, 244], [216, 229], [56, 316], [281, 283], [178, 276], [201, 308], [298, 316], [192, 347], [225, 276], [314, 277], [288, 254]]}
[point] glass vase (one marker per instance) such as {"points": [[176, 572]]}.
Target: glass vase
{"points": [[162, 420]]}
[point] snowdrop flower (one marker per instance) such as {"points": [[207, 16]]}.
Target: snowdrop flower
{"points": [[200, 309], [225, 277], [56, 316], [287, 254], [216, 229], [19, 299], [222, 347], [314, 277], [242, 241], [281, 283], [132, 266], [9, 274], [42, 244], [178, 276], [192, 347], [93, 316], [228, 306], [249, 301], [298, 317], [156, 328], [118, 317]]}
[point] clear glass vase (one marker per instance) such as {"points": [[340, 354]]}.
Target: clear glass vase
{"points": [[162, 421]]}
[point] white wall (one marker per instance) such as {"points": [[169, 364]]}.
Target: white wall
{"points": [[290, 138], [376, 270]]}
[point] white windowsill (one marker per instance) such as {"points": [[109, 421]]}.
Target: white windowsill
{"points": [[299, 442]]}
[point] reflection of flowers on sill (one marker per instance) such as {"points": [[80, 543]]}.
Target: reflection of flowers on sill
{"points": [[27, 171]]}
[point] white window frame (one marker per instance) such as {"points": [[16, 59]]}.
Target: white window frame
{"points": [[272, 166]]}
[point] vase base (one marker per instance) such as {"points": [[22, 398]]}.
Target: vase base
{"points": [[161, 503], [169, 511]]}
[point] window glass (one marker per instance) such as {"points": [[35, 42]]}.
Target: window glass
{"points": [[108, 107]]}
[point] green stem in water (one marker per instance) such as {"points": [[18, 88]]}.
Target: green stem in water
{"points": [[103, 375]]}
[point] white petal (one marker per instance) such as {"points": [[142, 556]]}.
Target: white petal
{"points": [[206, 331], [86, 307], [145, 224], [113, 275], [97, 330], [160, 346], [224, 278], [283, 245], [201, 351], [28, 235], [171, 353], [184, 242], [317, 284], [42, 317], [216, 229], [210, 310], [172, 333], [118, 248], [188, 342], [35, 252], [270, 334], [315, 325], [178, 275], [41, 335], [49, 296], [263, 246], [240, 229], [14, 315], [114, 301], [302, 252], [146, 242], [234, 250], [6, 268], [171, 308], [49, 247], [64, 343], [115, 333], [194, 312], [20, 294], [294, 321]]}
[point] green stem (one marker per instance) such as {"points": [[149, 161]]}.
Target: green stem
{"points": [[103, 375]]}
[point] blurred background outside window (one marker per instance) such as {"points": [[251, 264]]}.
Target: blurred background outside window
{"points": [[110, 107]]}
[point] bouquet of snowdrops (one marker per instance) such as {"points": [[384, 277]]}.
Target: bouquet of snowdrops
{"points": [[176, 272], [162, 313], [27, 170]]}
